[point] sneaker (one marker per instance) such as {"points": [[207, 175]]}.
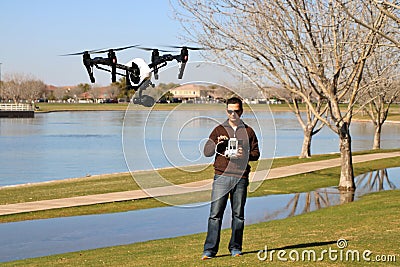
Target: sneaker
{"points": [[236, 253], [206, 256]]}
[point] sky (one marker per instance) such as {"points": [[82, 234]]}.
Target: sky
{"points": [[35, 33]]}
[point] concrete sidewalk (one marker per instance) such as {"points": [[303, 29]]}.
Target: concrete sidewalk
{"points": [[180, 189]]}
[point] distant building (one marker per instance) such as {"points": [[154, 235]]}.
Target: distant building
{"points": [[188, 91], [200, 93]]}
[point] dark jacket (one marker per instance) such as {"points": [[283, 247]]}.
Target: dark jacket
{"points": [[233, 167]]}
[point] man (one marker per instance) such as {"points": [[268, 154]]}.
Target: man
{"points": [[231, 177]]}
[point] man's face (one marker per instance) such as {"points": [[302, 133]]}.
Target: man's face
{"points": [[234, 112]]}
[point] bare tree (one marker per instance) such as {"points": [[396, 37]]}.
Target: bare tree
{"points": [[95, 92], [34, 89], [18, 86], [382, 72], [56, 93], [307, 47], [12, 88], [382, 83], [112, 91], [388, 8], [309, 123]]}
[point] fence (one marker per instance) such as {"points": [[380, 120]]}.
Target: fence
{"points": [[16, 107]]}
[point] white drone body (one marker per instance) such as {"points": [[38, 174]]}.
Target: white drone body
{"points": [[145, 71]]}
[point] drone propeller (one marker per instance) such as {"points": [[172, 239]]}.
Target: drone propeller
{"points": [[152, 49], [99, 51], [187, 47], [88, 52], [112, 49]]}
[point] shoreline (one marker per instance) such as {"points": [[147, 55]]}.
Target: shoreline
{"points": [[72, 179], [75, 107]]}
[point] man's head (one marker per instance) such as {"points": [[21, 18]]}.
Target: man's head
{"points": [[234, 109]]}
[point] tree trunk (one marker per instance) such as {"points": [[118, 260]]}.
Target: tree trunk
{"points": [[346, 197], [306, 147], [377, 136], [346, 182]]}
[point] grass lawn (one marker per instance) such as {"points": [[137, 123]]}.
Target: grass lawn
{"points": [[52, 107], [394, 113], [370, 224]]}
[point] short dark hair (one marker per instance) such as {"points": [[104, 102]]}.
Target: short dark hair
{"points": [[235, 100]]}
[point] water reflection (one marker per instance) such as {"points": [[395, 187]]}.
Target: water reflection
{"points": [[300, 203], [375, 181], [28, 239]]}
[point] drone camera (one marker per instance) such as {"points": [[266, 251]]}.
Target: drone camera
{"points": [[145, 100]]}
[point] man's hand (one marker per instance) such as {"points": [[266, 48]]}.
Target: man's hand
{"points": [[222, 138], [239, 153]]}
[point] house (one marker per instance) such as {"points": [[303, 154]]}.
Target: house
{"points": [[200, 93], [188, 91]]}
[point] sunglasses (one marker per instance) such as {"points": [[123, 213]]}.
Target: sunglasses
{"points": [[230, 112]]}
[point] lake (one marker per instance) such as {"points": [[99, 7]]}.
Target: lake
{"points": [[59, 145]]}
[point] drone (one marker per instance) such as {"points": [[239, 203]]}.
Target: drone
{"points": [[137, 72]]}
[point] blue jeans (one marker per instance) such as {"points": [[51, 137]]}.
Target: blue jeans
{"points": [[236, 189]]}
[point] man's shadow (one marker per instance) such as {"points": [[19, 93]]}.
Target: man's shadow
{"points": [[303, 245]]}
